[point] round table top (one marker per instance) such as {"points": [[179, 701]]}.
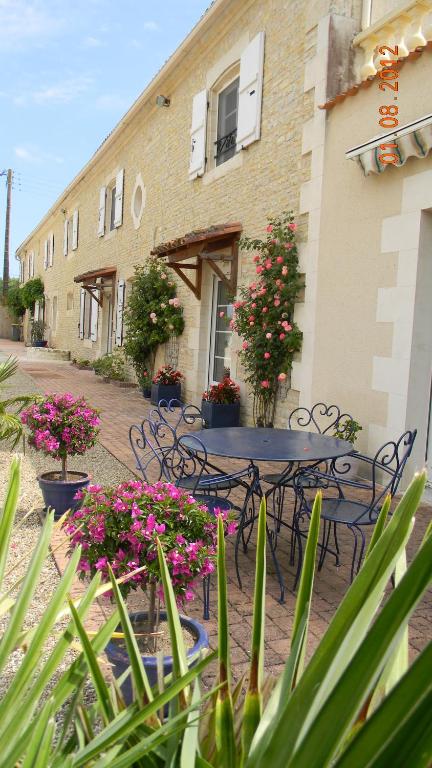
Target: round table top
{"points": [[265, 444]]}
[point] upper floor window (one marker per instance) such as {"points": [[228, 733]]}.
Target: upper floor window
{"points": [[227, 122], [111, 205], [227, 118], [49, 251]]}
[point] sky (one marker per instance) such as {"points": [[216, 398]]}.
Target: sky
{"points": [[69, 70]]}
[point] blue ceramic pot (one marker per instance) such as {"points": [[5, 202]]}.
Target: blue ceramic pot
{"points": [[165, 392], [59, 495], [119, 659], [220, 414], [39, 343]]}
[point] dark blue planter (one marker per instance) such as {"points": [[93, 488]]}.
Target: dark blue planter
{"points": [[119, 658], [60, 495], [146, 391], [42, 343], [220, 414], [165, 392]]}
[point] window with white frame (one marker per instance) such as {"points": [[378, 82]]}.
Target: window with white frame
{"points": [[111, 205], [227, 118], [226, 140], [220, 333]]}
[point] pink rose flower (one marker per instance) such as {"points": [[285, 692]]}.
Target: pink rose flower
{"points": [[281, 336], [256, 258], [268, 335], [267, 355], [221, 314], [276, 302], [292, 227], [265, 384], [288, 246], [268, 264], [284, 270], [269, 228], [282, 377], [265, 309], [259, 270], [245, 345], [279, 259]]}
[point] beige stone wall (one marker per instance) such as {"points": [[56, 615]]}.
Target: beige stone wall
{"points": [[265, 179], [367, 273]]}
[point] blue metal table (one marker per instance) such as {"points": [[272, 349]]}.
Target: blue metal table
{"points": [[255, 444]]}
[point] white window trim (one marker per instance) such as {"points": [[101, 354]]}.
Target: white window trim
{"points": [[224, 80], [212, 333]]}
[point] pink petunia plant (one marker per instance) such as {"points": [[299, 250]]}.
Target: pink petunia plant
{"points": [[119, 527], [61, 425]]}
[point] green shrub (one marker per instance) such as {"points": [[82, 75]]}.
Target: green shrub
{"points": [[153, 314], [15, 302], [31, 292], [112, 365]]}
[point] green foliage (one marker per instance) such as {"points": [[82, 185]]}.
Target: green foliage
{"points": [[152, 315], [37, 330], [347, 430], [14, 301], [11, 427], [264, 314], [112, 365], [31, 292], [326, 714]]}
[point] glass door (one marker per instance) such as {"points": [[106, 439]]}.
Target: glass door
{"points": [[220, 333]]}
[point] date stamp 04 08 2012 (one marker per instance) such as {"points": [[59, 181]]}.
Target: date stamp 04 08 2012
{"points": [[389, 80]]}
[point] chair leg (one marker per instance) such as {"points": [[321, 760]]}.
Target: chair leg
{"points": [[276, 565], [293, 532], [206, 598], [336, 545], [324, 543], [356, 531], [298, 537]]}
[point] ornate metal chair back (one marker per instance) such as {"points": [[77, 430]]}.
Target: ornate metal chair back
{"points": [[152, 442], [321, 418]]}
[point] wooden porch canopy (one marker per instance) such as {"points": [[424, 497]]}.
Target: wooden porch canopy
{"points": [[204, 245], [88, 280]]}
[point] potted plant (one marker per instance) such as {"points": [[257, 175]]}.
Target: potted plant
{"points": [[220, 405], [119, 527], [166, 385], [145, 382], [37, 334], [83, 364], [61, 426], [348, 429]]}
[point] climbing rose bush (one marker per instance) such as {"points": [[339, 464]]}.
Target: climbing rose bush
{"points": [[263, 313], [119, 526], [61, 425]]}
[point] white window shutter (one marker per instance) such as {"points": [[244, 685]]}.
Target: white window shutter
{"points": [[65, 237], [198, 135], [250, 92], [118, 209], [51, 250], [75, 230], [121, 289], [102, 206], [32, 264], [94, 316], [46, 254], [36, 312], [81, 315]]}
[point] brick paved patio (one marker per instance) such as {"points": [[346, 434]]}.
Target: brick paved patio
{"points": [[122, 407]]}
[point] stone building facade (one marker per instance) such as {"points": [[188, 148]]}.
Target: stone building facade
{"points": [[266, 69]]}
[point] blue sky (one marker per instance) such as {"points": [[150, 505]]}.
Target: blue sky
{"points": [[69, 70]]}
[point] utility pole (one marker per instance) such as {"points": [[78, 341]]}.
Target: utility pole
{"points": [[9, 176]]}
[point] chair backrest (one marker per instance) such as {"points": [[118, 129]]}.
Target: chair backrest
{"points": [[389, 463], [152, 442], [321, 418], [187, 461], [175, 413]]}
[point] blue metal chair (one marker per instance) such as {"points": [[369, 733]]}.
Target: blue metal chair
{"points": [[384, 471], [176, 414], [321, 418]]}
